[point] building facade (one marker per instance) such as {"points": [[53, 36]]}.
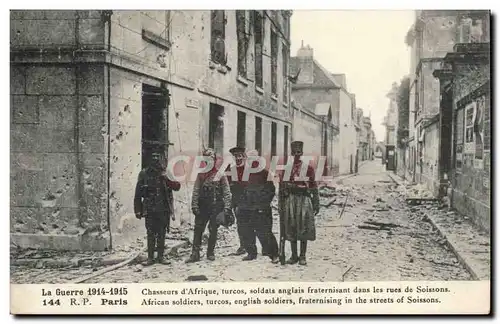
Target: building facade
{"points": [[452, 87], [325, 94], [91, 90], [433, 35]]}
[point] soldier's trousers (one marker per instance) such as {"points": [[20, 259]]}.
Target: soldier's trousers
{"points": [[200, 223], [156, 228], [259, 223]]}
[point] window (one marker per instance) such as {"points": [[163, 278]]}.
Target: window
{"points": [[274, 135], [459, 137], [286, 24], [161, 40], [285, 53], [487, 121], [218, 24], [258, 134], [243, 40], [258, 34], [274, 62], [241, 129], [216, 128]]}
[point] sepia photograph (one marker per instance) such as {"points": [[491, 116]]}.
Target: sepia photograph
{"points": [[250, 146]]}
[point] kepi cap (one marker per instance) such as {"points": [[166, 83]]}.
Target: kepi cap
{"points": [[297, 145], [236, 150]]}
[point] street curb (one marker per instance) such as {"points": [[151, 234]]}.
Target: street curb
{"points": [[449, 243]]}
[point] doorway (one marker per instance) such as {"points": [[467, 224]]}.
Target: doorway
{"points": [[154, 124], [216, 128], [445, 139], [391, 158], [274, 135], [258, 135]]}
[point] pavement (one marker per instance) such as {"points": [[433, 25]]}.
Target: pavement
{"points": [[469, 243], [375, 237]]}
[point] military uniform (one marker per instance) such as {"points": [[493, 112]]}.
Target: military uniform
{"points": [[154, 201], [299, 203], [255, 216], [211, 196], [236, 187]]}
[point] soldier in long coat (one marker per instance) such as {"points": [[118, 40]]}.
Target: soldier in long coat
{"points": [[299, 204], [255, 215], [236, 187], [154, 201]]}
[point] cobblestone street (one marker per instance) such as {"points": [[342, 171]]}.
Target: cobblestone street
{"points": [[377, 237]]}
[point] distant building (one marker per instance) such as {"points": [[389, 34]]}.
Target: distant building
{"points": [[324, 94]]}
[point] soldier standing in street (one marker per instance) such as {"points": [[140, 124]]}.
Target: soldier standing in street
{"points": [[237, 189], [298, 204], [154, 201], [236, 186], [211, 197], [255, 215]]}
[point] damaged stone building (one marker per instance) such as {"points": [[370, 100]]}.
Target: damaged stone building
{"points": [[90, 90], [450, 107], [323, 94], [365, 135]]}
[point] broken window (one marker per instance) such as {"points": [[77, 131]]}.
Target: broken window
{"points": [[218, 24], [274, 62], [259, 35], [243, 40], [216, 128], [258, 134], [285, 53], [241, 129]]}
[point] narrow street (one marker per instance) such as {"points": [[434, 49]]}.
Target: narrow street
{"points": [[406, 248]]}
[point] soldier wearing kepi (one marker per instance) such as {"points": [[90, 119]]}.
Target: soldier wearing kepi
{"points": [[255, 211], [299, 204], [236, 186], [154, 201]]}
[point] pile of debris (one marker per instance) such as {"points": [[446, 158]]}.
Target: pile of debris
{"points": [[418, 191]]}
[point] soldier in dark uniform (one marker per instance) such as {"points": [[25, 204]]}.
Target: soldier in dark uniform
{"points": [[299, 204], [255, 215], [154, 201], [236, 187]]}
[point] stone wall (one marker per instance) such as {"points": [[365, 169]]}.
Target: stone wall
{"points": [[58, 152], [347, 132], [471, 177], [65, 108], [308, 128]]}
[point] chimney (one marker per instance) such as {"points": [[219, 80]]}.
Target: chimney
{"points": [[305, 56], [340, 79]]}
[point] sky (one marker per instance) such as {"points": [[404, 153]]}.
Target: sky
{"points": [[367, 46]]}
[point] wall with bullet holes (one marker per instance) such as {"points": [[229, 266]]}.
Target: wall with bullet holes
{"points": [[76, 128]]}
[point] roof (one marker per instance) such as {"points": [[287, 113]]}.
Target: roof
{"points": [[321, 76]]}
